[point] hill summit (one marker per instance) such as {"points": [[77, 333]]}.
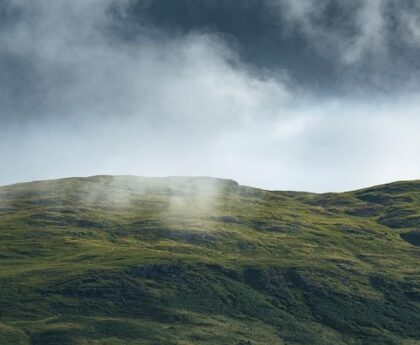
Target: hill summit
{"points": [[116, 260]]}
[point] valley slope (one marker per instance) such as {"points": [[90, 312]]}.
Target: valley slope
{"points": [[129, 260]]}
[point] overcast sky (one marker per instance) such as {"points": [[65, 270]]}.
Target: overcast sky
{"points": [[316, 95]]}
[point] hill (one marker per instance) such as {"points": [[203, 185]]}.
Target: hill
{"points": [[129, 260]]}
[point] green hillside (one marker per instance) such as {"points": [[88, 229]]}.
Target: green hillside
{"points": [[128, 260]]}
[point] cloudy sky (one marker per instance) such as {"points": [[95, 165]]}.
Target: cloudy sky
{"points": [[317, 95]]}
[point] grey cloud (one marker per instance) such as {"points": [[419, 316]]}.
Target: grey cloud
{"points": [[98, 86], [326, 46], [371, 34]]}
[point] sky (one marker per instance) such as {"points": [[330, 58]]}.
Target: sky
{"points": [[314, 95]]}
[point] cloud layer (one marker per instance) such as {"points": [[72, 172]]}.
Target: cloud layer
{"points": [[95, 87]]}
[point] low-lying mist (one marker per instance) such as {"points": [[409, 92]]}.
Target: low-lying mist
{"points": [[168, 206]]}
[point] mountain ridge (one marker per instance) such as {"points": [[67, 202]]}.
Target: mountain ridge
{"points": [[111, 176]]}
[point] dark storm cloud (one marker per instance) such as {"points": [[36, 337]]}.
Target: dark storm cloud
{"points": [[317, 95], [325, 45]]}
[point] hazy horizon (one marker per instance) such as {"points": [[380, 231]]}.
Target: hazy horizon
{"points": [[318, 96]]}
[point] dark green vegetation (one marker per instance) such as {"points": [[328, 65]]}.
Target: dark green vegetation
{"points": [[126, 260]]}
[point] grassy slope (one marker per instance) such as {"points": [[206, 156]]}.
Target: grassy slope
{"points": [[126, 260]]}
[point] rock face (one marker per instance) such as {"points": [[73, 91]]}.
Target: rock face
{"points": [[119, 260]]}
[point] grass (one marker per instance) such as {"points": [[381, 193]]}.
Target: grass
{"points": [[129, 260]]}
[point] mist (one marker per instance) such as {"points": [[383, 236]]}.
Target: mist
{"points": [[105, 87]]}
